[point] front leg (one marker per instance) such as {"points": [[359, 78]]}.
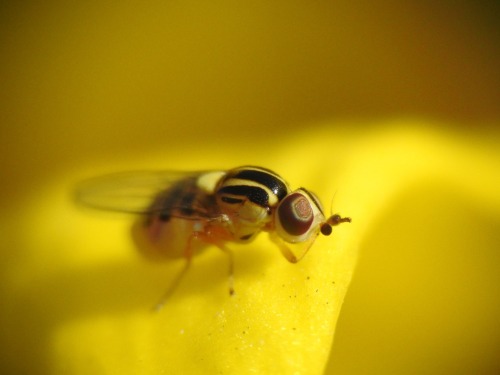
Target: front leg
{"points": [[213, 237]]}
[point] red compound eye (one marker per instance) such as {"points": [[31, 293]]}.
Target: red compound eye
{"points": [[295, 214]]}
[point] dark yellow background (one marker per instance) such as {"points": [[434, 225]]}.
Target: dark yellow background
{"points": [[82, 79], [85, 84]]}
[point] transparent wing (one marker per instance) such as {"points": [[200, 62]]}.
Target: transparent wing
{"points": [[132, 192]]}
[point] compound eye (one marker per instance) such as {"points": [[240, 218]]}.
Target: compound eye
{"points": [[295, 214]]}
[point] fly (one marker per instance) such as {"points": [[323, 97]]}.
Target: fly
{"points": [[182, 213]]}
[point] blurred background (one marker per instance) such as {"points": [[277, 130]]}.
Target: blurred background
{"points": [[82, 79], [85, 84]]}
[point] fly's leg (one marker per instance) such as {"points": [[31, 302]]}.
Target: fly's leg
{"points": [[210, 236], [230, 256], [188, 255]]}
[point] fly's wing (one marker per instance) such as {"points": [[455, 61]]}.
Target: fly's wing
{"points": [[131, 192]]}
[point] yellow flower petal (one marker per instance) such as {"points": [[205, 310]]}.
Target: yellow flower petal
{"points": [[425, 295], [91, 294]]}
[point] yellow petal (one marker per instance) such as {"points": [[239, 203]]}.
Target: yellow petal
{"points": [[425, 295], [90, 294]]}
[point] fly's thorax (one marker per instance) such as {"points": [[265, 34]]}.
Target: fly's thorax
{"points": [[298, 216], [258, 185], [248, 196], [208, 181]]}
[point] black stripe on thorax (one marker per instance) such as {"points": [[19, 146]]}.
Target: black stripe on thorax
{"points": [[267, 179], [254, 194]]}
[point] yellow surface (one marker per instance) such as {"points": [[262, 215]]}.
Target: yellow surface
{"points": [[90, 296], [95, 88], [80, 298]]}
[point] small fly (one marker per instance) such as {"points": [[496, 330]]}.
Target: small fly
{"points": [[182, 213]]}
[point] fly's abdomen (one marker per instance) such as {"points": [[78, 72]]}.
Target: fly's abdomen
{"points": [[175, 216], [183, 199]]}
